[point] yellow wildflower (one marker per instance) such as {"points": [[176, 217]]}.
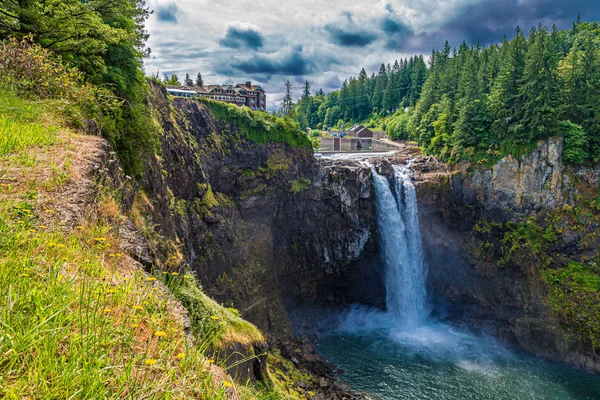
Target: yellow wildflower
{"points": [[227, 384], [150, 361], [181, 356], [211, 361], [42, 226], [186, 277], [160, 333], [214, 317], [175, 273], [135, 325], [138, 307], [150, 279], [47, 211], [107, 310]]}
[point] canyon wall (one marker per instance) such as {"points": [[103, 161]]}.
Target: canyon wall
{"points": [[266, 227], [286, 239], [497, 239]]}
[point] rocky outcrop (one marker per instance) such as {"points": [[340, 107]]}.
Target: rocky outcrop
{"points": [[471, 281], [267, 228], [514, 186]]}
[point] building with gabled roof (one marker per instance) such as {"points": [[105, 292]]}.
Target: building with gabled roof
{"points": [[246, 94]]}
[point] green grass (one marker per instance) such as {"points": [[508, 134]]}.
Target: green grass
{"points": [[23, 124], [259, 127], [216, 326], [78, 318], [76, 322]]}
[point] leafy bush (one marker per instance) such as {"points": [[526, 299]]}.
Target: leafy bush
{"points": [[29, 70], [33, 72], [575, 142], [398, 126]]}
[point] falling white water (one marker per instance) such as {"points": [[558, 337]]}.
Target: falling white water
{"points": [[402, 251]]}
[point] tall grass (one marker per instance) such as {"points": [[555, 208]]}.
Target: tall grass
{"points": [[77, 322], [23, 125]]}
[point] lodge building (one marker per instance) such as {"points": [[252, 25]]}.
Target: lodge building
{"points": [[242, 94]]}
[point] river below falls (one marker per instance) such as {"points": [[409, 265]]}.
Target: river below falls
{"points": [[438, 362]]}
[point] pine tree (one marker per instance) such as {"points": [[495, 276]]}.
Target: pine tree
{"points": [[173, 80], [506, 101], [540, 88], [199, 80], [188, 81], [388, 97], [417, 80], [380, 86], [306, 93], [474, 120], [287, 106]]}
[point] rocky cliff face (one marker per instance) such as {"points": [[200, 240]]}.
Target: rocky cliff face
{"points": [[492, 239], [267, 228]]}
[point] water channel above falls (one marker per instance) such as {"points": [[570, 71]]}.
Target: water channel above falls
{"points": [[402, 354]]}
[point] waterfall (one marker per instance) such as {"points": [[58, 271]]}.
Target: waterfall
{"points": [[401, 244]]}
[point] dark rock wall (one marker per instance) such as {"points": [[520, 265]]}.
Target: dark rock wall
{"points": [[267, 228]]}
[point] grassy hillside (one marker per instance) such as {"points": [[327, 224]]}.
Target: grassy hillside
{"points": [[82, 319], [79, 318]]}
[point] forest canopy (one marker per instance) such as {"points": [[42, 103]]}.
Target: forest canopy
{"points": [[479, 103]]}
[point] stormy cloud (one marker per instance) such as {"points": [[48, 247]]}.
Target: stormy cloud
{"points": [[350, 38], [237, 38], [292, 64], [167, 13]]}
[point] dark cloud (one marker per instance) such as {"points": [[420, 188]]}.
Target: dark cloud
{"points": [[292, 64], [168, 13], [395, 33], [489, 21], [237, 38], [348, 37]]}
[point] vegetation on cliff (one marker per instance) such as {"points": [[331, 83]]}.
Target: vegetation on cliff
{"points": [[259, 127], [99, 42], [561, 244], [81, 318]]}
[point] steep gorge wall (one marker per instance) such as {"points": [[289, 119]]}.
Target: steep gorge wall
{"points": [[493, 236], [266, 227]]}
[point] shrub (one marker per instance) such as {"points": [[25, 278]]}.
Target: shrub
{"points": [[30, 71], [575, 142]]}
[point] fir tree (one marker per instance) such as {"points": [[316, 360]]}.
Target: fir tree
{"points": [[199, 80], [540, 88], [287, 106], [380, 86]]}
